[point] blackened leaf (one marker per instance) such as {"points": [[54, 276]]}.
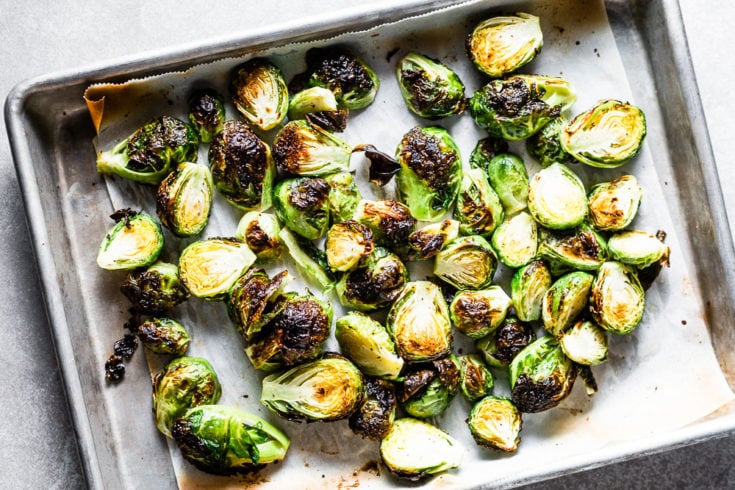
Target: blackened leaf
{"points": [[382, 166]]}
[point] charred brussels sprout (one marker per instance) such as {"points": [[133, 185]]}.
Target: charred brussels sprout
{"points": [[501, 45], [184, 199], [466, 263], [556, 198], [516, 240], [260, 93], [225, 440], [528, 287], [206, 113], [585, 343], [348, 245], [186, 382], [427, 390], [475, 380], [478, 313], [545, 146], [541, 376], [344, 196], [500, 347], [430, 88], [565, 300], [390, 221], [210, 267], [583, 249], [428, 240], [302, 148], [508, 176], [376, 284], [135, 241], [368, 344], [155, 289], [478, 209], [638, 248], [495, 423], [260, 232], [310, 260], [617, 300], [485, 150], [330, 388], [607, 135], [613, 205], [310, 100], [163, 335], [431, 172], [254, 300], [149, 154], [302, 205], [555, 91], [374, 417]]}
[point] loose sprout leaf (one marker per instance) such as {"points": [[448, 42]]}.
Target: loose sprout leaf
{"points": [[382, 166]]}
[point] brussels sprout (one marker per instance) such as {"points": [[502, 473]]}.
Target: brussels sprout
{"points": [[376, 284], [163, 335], [565, 300], [613, 205], [467, 262], [327, 389], [516, 240], [209, 268], [374, 417], [242, 166], [368, 344], [638, 248], [431, 172], [185, 382], [313, 99], [260, 232], [528, 287], [501, 45], [428, 240], [344, 196], [485, 150], [260, 93], [254, 300], [582, 249], [556, 198], [607, 135], [302, 205], [225, 440], [311, 261], [475, 380], [585, 343], [617, 300], [206, 113], [507, 175], [478, 209], [501, 346], [495, 423], [390, 221], [545, 146], [419, 322], [155, 289], [541, 376], [135, 241], [301, 148], [149, 154], [414, 449], [428, 389], [348, 245], [184, 199], [478, 313], [430, 88]]}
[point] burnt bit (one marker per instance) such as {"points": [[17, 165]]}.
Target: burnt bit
{"points": [[145, 290], [335, 121], [372, 419], [376, 286], [423, 154], [390, 54], [415, 382], [303, 327], [475, 315], [257, 239], [536, 396], [382, 166], [114, 369], [396, 222], [124, 214], [340, 71], [511, 338], [426, 244], [125, 347], [309, 194], [448, 373], [515, 98]]}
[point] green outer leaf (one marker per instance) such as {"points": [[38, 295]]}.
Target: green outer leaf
{"points": [[310, 267]]}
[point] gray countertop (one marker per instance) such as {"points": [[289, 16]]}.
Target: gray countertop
{"points": [[43, 36]]}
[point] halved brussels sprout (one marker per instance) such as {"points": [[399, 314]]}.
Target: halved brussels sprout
{"points": [[467, 262], [485, 150], [501, 346], [209, 268], [431, 172], [254, 300], [135, 241], [585, 343], [475, 380], [348, 245], [419, 322], [367, 343], [516, 240], [478, 208], [613, 205], [545, 146], [556, 198], [260, 232], [162, 335], [528, 287], [430, 88], [376, 284], [565, 300], [501, 45], [302, 148], [617, 300], [582, 249], [184, 199], [155, 289], [607, 135], [374, 417], [495, 423], [313, 99], [302, 205], [426, 390], [638, 248], [344, 196], [311, 261], [478, 313], [428, 240], [554, 90], [206, 113], [260, 93], [508, 176], [391, 221]]}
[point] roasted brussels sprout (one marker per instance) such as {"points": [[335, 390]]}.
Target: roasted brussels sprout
{"points": [[607, 135], [260, 93], [431, 172], [162, 335], [585, 343], [565, 300], [155, 289], [149, 154], [225, 440], [390, 221], [638, 248], [613, 205], [582, 249], [186, 382], [545, 146], [617, 300], [556, 198], [475, 380], [311, 261], [327, 389], [367, 343], [260, 232], [374, 417], [430, 88], [541, 376], [302, 148], [419, 322], [209, 268], [242, 166], [508, 176], [376, 284], [313, 99], [184, 199], [302, 205], [495, 423], [528, 287], [428, 240], [135, 241], [344, 196], [485, 150], [479, 210], [206, 113], [501, 346], [254, 300], [516, 240], [427, 390], [348, 245], [501, 45], [478, 313], [467, 262]]}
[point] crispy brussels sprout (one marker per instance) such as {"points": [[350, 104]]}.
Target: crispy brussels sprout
{"points": [[501, 45], [431, 172], [613, 205], [260, 232], [414, 449], [516, 240], [556, 198], [302, 148], [475, 380], [419, 322], [485, 150], [541, 376], [638, 248], [348, 245], [555, 91], [155, 289], [565, 300], [310, 100], [478, 313], [162, 335], [374, 417], [254, 300], [430, 88], [495, 423], [500, 347], [344, 196], [507, 175], [260, 93], [311, 261], [330, 388], [185, 382], [206, 113], [545, 146], [479, 210], [582, 249], [149, 154], [607, 135], [585, 343], [135, 241], [528, 287], [367, 343], [184, 199], [617, 300], [467, 262], [225, 440], [428, 240], [390, 221], [428, 389], [209, 268], [302, 205], [242, 166], [376, 284]]}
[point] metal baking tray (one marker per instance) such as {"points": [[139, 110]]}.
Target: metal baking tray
{"points": [[50, 133]]}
